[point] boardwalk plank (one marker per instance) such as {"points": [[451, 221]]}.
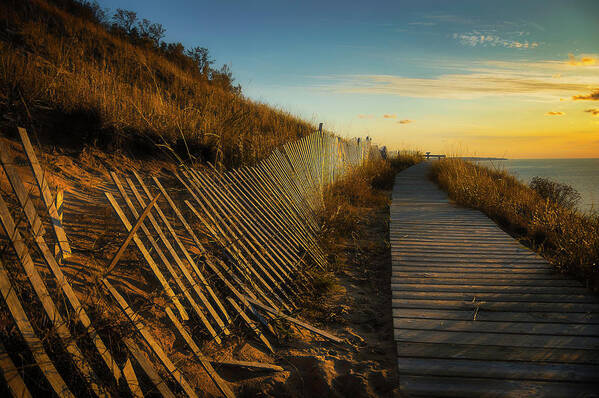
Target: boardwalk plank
{"points": [[475, 313]]}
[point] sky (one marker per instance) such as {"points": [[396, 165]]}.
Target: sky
{"points": [[517, 79]]}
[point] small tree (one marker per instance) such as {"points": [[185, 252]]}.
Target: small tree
{"points": [[562, 194], [125, 20], [201, 56], [150, 31]]}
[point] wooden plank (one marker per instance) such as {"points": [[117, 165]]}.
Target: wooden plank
{"points": [[499, 369], [496, 305], [220, 383], [137, 321], [148, 368], [248, 364], [252, 325], [498, 339], [37, 231], [131, 379], [478, 326], [503, 353], [498, 269], [483, 387], [186, 274], [124, 245], [507, 316], [186, 254], [487, 288], [11, 375], [153, 266], [295, 321], [399, 274], [32, 341], [487, 281], [39, 286], [39, 175], [59, 203], [236, 254], [517, 297], [236, 235]]}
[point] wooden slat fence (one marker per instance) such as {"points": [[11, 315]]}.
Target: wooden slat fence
{"points": [[262, 222]]}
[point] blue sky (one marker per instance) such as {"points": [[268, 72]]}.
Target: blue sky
{"points": [[484, 77]]}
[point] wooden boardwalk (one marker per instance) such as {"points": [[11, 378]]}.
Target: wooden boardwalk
{"points": [[476, 313]]}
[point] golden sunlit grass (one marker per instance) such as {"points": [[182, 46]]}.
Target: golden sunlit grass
{"points": [[367, 186], [567, 237], [71, 78]]}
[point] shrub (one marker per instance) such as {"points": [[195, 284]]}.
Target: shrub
{"points": [[562, 194]]}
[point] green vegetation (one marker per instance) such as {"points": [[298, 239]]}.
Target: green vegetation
{"points": [[542, 214], [77, 77]]}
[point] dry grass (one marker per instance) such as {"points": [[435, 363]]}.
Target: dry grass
{"points": [[346, 201], [70, 78], [567, 237]]}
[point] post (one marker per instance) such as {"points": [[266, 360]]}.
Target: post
{"points": [[320, 127]]}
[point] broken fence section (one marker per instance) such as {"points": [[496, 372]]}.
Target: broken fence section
{"points": [[262, 219]]}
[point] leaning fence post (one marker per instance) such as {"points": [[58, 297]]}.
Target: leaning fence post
{"points": [[59, 209]]}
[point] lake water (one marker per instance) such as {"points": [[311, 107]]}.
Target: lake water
{"points": [[581, 174]]}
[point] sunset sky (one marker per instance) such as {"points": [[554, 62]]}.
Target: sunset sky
{"points": [[485, 78]]}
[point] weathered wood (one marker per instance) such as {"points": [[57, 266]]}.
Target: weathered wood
{"points": [[153, 266], [557, 329], [190, 261], [148, 368], [477, 314], [59, 203], [484, 315], [497, 305], [40, 179], [137, 322], [37, 231], [39, 286], [484, 387], [247, 364], [499, 369], [220, 383], [11, 375], [499, 353], [295, 321], [517, 297], [251, 324], [186, 274], [132, 232], [131, 379], [33, 342]]}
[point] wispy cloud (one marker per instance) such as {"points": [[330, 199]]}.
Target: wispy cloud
{"points": [[422, 23], [405, 121], [390, 116], [593, 96], [555, 113], [584, 60], [365, 116], [547, 80], [475, 38], [593, 111]]}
